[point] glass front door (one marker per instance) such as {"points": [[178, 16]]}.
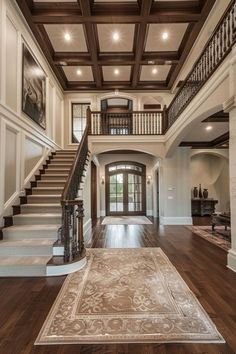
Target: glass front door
{"points": [[125, 189]]}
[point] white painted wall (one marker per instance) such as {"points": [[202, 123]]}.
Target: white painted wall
{"points": [[24, 145], [213, 173], [148, 160], [175, 188]]}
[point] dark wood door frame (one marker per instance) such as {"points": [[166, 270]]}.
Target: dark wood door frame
{"points": [[125, 186], [93, 193]]}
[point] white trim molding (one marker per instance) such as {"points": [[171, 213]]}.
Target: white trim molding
{"points": [[176, 220], [231, 260]]}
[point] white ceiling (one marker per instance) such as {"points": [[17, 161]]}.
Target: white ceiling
{"points": [[124, 73], [161, 75], [125, 44], [199, 132], [71, 73], [156, 43], [56, 35]]}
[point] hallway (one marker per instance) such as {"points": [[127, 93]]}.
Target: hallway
{"points": [[25, 302]]}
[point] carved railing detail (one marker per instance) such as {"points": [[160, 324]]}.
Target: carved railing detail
{"points": [[126, 123], [217, 48], [71, 231]]}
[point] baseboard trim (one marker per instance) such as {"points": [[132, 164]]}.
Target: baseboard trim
{"points": [[176, 220], [231, 260]]}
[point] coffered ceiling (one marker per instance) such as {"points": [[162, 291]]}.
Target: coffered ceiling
{"points": [[116, 44]]}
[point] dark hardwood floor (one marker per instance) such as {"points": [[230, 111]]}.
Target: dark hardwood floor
{"points": [[25, 302]]}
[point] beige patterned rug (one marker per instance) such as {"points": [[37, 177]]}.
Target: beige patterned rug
{"points": [[127, 295], [126, 220]]}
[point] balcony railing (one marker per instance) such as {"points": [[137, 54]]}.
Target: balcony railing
{"points": [[217, 48], [127, 123]]}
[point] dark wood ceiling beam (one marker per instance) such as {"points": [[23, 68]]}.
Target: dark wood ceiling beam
{"points": [[206, 8], [92, 41], [216, 143], [115, 85], [110, 59], [140, 41]]}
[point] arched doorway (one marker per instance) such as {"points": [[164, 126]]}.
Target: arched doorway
{"points": [[125, 188]]}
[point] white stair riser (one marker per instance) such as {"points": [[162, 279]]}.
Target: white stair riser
{"points": [[24, 220], [40, 209], [53, 176], [47, 183], [9, 234], [36, 191], [60, 162], [26, 251], [34, 199], [56, 166], [23, 271], [57, 172]]}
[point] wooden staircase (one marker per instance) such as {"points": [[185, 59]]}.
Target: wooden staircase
{"points": [[29, 235]]}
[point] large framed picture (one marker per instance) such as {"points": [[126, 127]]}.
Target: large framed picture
{"points": [[33, 89]]}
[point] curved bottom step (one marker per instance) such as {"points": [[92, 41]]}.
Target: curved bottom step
{"points": [[64, 269]]}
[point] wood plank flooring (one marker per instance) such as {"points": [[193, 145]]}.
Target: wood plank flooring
{"points": [[25, 302]]}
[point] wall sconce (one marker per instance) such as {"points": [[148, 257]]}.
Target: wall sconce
{"points": [[149, 179], [102, 180]]}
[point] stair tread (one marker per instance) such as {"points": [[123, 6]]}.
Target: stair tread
{"points": [[43, 205], [24, 260], [44, 195], [27, 242], [32, 227], [50, 188], [38, 215]]}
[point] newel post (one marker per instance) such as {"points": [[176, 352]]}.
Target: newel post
{"points": [[89, 116], [164, 120]]}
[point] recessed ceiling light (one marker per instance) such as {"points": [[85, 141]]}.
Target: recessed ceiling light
{"points": [[209, 127], [79, 72], [154, 71], [116, 71], [67, 36], [165, 36], [116, 36]]}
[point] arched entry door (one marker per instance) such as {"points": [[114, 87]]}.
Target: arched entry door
{"points": [[125, 188]]}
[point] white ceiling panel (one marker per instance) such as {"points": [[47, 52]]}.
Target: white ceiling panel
{"points": [[123, 73], [175, 32], [56, 35], [125, 42], [160, 72], [199, 132], [85, 73]]}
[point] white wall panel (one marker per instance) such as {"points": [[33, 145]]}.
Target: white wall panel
{"points": [[10, 163], [33, 153], [11, 65]]}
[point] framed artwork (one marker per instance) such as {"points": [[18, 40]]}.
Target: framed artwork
{"points": [[33, 89]]}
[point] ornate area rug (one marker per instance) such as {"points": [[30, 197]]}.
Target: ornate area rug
{"points": [[219, 237], [126, 220], [127, 295]]}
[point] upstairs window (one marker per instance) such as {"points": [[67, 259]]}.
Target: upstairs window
{"points": [[78, 120]]}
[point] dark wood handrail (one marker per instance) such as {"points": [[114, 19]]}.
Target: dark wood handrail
{"points": [[126, 112], [71, 231], [66, 191], [214, 52]]}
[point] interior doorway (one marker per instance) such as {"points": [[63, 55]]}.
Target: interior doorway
{"points": [[125, 188]]}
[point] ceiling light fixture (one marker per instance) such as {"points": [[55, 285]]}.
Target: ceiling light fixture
{"points": [[116, 71], [209, 127], [79, 72], [116, 36], [154, 71], [67, 36], [165, 36]]}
